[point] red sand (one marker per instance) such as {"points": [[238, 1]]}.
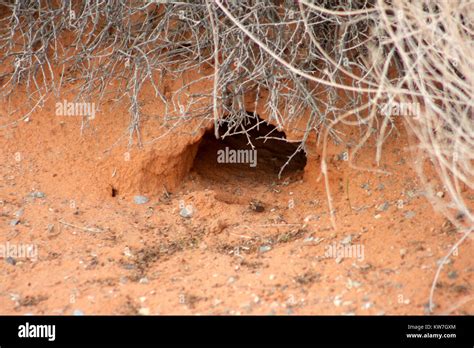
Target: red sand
{"points": [[107, 255]]}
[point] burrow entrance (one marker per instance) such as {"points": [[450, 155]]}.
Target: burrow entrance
{"points": [[232, 156]]}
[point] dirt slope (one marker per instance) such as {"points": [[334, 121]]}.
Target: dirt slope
{"points": [[254, 244]]}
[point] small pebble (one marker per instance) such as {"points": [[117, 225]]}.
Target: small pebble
{"points": [[337, 300], [343, 156], [383, 207], [353, 284], [367, 305], [186, 212], [19, 213], [144, 311], [38, 194], [14, 222], [140, 199], [265, 248], [347, 240], [440, 194], [127, 252], [452, 275], [410, 214], [11, 260]]}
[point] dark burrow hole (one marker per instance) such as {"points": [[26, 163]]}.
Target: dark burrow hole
{"points": [[232, 156], [113, 191]]}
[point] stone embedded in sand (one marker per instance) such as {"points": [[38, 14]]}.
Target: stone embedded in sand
{"points": [[347, 240], [403, 252], [337, 300], [19, 213], [452, 275], [383, 207], [367, 305], [186, 212], [144, 311], [143, 280], [140, 199], [38, 194], [10, 260]]}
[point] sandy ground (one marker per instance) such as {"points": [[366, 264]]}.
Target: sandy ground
{"points": [[253, 245]]}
